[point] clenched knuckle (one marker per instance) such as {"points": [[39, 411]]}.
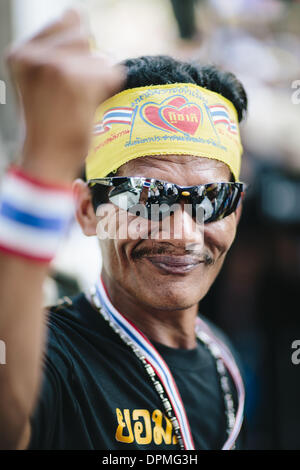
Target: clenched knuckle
{"points": [[12, 56], [85, 42], [49, 69], [80, 38], [9, 56]]}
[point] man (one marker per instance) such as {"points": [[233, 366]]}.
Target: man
{"points": [[130, 364]]}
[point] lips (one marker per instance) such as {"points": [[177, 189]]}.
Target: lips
{"points": [[175, 264]]}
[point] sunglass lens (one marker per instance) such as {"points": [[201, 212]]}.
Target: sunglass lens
{"points": [[220, 200], [125, 195], [161, 196]]}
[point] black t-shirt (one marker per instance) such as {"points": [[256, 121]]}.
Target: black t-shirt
{"points": [[97, 395]]}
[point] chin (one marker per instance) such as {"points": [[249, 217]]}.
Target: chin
{"points": [[171, 296]]}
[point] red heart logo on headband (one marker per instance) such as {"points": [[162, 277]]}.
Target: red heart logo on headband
{"points": [[175, 114], [186, 118], [151, 113]]}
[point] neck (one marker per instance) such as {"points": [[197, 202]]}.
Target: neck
{"points": [[173, 328]]}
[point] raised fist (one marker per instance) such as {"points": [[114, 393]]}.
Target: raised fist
{"points": [[60, 83]]}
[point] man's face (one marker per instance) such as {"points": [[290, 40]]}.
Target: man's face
{"points": [[161, 272]]}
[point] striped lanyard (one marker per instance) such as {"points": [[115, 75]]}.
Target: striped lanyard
{"points": [[153, 361]]}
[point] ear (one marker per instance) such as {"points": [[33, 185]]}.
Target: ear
{"points": [[84, 210]]}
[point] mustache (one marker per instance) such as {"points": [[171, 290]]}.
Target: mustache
{"points": [[164, 249]]}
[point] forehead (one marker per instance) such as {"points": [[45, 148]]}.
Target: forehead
{"points": [[182, 169]]}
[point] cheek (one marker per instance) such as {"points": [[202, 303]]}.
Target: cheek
{"points": [[117, 232], [115, 223], [109, 253], [113, 257], [219, 236]]}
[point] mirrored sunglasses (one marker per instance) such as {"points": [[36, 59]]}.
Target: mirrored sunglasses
{"points": [[159, 198]]}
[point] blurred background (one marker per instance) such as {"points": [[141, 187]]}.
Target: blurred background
{"points": [[256, 297]]}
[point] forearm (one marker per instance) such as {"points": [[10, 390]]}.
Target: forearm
{"points": [[34, 214], [22, 330]]}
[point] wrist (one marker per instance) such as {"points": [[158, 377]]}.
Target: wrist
{"points": [[53, 166], [34, 215], [37, 178], [46, 173]]}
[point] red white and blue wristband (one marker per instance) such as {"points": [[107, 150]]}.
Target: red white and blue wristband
{"points": [[34, 215]]}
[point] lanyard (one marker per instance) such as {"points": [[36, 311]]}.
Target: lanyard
{"points": [[139, 342]]}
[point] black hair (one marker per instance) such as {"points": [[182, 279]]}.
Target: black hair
{"points": [[161, 69]]}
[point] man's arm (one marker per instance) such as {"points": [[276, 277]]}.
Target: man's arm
{"points": [[60, 85], [21, 328]]}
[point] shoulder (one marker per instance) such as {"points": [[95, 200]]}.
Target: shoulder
{"points": [[66, 322], [71, 313], [76, 328], [218, 332], [66, 308], [225, 339]]}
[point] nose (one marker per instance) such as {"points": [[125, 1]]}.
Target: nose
{"points": [[181, 225]]}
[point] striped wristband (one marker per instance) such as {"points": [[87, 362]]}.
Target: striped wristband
{"points": [[33, 216]]}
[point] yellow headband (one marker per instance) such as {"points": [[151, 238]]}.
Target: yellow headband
{"points": [[180, 118]]}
